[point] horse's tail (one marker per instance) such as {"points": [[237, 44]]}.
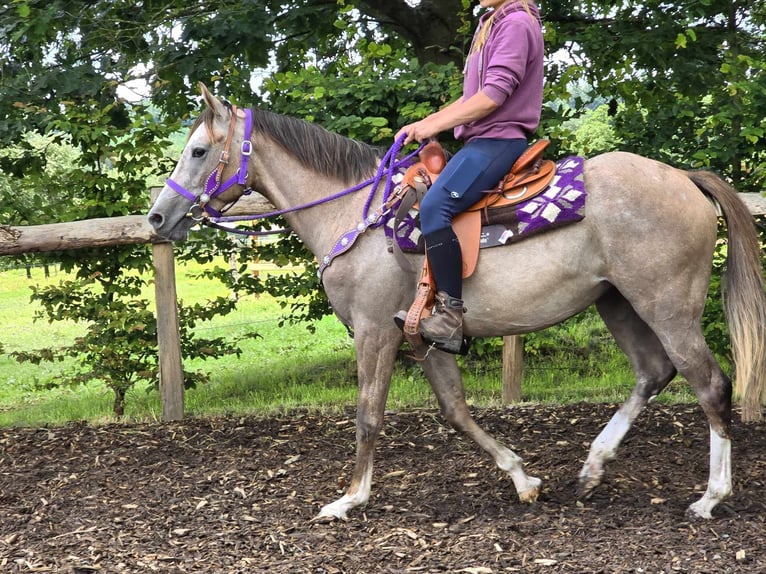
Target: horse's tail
{"points": [[744, 296]]}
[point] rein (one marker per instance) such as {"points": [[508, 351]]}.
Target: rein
{"points": [[201, 211], [388, 168]]}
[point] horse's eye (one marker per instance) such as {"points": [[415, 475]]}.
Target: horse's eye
{"points": [[199, 152]]}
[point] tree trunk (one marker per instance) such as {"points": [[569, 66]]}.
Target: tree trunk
{"points": [[432, 26], [119, 402]]}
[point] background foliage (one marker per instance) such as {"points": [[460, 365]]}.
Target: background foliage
{"points": [[681, 81]]}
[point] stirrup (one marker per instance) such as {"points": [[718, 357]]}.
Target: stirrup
{"points": [[465, 345]]}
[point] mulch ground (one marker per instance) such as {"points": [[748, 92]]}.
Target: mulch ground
{"points": [[237, 495]]}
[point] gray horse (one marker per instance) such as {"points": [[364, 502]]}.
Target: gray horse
{"points": [[643, 255]]}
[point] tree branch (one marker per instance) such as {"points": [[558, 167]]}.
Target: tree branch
{"points": [[431, 26]]}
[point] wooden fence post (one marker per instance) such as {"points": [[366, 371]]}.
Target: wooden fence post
{"points": [[513, 368], [168, 335]]}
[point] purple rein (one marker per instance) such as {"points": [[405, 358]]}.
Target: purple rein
{"points": [[389, 166]]}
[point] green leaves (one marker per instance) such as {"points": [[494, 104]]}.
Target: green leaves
{"points": [[684, 82], [23, 10], [688, 77], [367, 100], [682, 37]]}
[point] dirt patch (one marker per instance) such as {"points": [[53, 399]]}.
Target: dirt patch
{"points": [[237, 495]]}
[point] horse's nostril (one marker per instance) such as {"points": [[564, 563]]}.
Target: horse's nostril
{"points": [[155, 220]]}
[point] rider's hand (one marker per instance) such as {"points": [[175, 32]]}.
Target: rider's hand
{"points": [[419, 131], [405, 131]]}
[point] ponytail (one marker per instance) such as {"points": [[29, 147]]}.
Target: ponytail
{"points": [[483, 33]]}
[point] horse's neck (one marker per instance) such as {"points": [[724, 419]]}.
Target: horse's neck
{"points": [[287, 184]]}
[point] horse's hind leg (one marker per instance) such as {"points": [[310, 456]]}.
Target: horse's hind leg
{"points": [[684, 349], [713, 388], [653, 370], [444, 375]]}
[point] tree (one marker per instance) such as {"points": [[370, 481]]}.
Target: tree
{"points": [[688, 75], [118, 147], [686, 72], [593, 132], [681, 81]]}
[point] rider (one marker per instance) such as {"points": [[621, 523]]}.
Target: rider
{"points": [[499, 109]]}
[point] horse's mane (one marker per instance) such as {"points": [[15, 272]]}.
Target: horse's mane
{"points": [[324, 152]]}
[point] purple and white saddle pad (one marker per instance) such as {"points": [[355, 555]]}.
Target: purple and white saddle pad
{"points": [[561, 203]]}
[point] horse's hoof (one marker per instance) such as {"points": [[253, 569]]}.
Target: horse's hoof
{"points": [[530, 495], [326, 518], [589, 481], [330, 513], [698, 511], [586, 488]]}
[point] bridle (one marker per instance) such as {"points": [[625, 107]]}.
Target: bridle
{"points": [[213, 185], [201, 211]]}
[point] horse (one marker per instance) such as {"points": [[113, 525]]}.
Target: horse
{"points": [[642, 254]]}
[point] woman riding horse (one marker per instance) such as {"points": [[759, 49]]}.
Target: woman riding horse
{"points": [[500, 106]]}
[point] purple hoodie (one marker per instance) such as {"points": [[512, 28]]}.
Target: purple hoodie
{"points": [[509, 68]]}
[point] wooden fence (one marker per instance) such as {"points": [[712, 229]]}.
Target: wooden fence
{"points": [[129, 230], [134, 229]]}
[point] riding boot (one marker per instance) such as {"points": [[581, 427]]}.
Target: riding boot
{"points": [[444, 327], [446, 262]]}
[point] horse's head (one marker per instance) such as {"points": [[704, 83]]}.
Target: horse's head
{"points": [[211, 173]]}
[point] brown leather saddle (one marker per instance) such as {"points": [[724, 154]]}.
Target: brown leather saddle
{"points": [[529, 176]]}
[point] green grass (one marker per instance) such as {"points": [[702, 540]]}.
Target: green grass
{"points": [[288, 367]]}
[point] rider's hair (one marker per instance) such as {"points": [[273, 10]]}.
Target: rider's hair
{"points": [[483, 34]]}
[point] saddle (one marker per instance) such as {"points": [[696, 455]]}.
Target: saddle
{"points": [[529, 176]]}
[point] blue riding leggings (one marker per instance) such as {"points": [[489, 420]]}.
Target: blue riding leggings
{"points": [[477, 167]]}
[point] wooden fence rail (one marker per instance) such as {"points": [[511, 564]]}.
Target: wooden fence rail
{"points": [[134, 229]]}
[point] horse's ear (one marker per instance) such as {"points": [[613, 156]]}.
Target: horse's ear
{"points": [[212, 102]]}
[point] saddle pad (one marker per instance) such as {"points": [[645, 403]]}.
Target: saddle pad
{"points": [[562, 203]]}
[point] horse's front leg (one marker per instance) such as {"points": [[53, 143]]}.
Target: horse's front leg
{"points": [[443, 373], [375, 354]]}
